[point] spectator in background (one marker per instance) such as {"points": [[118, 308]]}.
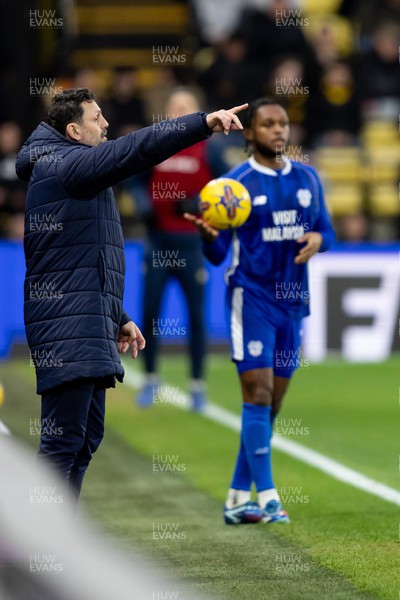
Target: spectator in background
{"points": [[274, 31], [230, 76], [86, 78], [12, 190], [174, 248], [125, 112], [367, 13], [333, 117], [125, 108], [324, 46], [378, 73], [288, 86], [213, 22], [165, 80], [353, 228]]}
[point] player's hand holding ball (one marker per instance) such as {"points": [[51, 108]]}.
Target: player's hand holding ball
{"points": [[208, 233], [224, 203]]}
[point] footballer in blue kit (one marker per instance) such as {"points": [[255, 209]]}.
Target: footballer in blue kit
{"points": [[267, 295]]}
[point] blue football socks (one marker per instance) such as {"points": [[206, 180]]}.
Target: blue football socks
{"points": [[256, 436], [242, 476]]}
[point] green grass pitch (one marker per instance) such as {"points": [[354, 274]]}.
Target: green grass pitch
{"points": [[342, 543]]}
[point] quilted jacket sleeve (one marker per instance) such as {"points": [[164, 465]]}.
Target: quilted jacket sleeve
{"points": [[84, 171], [125, 318]]}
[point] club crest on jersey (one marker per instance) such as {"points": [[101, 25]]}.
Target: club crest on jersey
{"points": [[255, 347], [304, 197]]}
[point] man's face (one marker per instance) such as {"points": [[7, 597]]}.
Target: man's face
{"points": [[93, 128], [269, 130]]}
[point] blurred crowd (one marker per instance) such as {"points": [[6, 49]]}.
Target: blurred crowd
{"points": [[337, 74]]}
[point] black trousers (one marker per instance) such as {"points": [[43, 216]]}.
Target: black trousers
{"points": [[72, 428], [180, 257]]}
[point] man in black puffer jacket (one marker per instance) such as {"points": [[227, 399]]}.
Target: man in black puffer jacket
{"points": [[75, 264]]}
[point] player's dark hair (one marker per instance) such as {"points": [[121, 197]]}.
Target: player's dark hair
{"points": [[251, 112], [66, 107]]}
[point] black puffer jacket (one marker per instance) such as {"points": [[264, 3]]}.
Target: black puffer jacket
{"points": [[74, 251]]}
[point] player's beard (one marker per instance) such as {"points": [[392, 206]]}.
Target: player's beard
{"points": [[266, 151]]}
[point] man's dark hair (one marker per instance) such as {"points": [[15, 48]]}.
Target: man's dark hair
{"points": [[66, 107], [251, 112]]}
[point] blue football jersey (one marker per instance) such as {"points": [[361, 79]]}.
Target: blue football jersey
{"points": [[286, 204]]}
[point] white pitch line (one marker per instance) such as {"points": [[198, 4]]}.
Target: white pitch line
{"points": [[337, 470], [298, 451], [4, 429]]}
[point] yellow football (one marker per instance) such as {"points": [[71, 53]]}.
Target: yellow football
{"points": [[225, 203]]}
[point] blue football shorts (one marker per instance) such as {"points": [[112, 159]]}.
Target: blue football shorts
{"points": [[262, 334]]}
